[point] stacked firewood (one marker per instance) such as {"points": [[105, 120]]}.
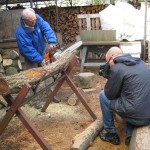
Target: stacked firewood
{"points": [[9, 62], [67, 22]]}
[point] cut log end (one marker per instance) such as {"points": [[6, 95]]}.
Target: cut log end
{"points": [[4, 88], [72, 101]]}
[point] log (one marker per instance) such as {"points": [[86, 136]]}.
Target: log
{"points": [[72, 100], [140, 139], [2, 68], [7, 62], [83, 140], [10, 54], [4, 88], [17, 64], [33, 76], [86, 80], [11, 71]]}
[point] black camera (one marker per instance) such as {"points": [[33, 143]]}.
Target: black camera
{"points": [[104, 70]]}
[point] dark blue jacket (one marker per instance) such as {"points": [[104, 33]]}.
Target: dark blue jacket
{"points": [[32, 42], [128, 87]]}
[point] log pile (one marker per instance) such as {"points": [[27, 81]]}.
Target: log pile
{"points": [[67, 23], [9, 62]]}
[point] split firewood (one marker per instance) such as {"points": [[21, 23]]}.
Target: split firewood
{"points": [[12, 63], [17, 64], [10, 54], [33, 76], [83, 140], [140, 139], [7, 62], [1, 68], [1, 59], [11, 71]]}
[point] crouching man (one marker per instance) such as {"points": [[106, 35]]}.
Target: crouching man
{"points": [[127, 93]]}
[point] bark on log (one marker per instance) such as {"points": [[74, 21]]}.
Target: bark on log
{"points": [[10, 54], [83, 140], [140, 139], [33, 76], [11, 71]]}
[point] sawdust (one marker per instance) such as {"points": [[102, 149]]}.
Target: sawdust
{"points": [[60, 123], [34, 73]]}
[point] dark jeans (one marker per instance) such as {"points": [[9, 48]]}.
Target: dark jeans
{"points": [[108, 118]]}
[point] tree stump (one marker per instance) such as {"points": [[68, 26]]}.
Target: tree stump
{"points": [[86, 80], [83, 140], [140, 139]]}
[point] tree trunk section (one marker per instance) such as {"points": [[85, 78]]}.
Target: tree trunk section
{"points": [[33, 76], [73, 99], [140, 139], [83, 140]]}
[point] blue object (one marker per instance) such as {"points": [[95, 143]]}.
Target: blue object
{"points": [[32, 41]]}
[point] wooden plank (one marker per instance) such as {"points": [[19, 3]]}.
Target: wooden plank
{"points": [[117, 43], [97, 24], [93, 24], [80, 24], [88, 22], [9, 20], [88, 15], [8, 45], [98, 35]]}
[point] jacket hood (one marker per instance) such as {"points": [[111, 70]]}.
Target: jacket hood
{"points": [[127, 59]]}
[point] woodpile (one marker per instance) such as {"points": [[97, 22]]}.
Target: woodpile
{"points": [[9, 62], [67, 22]]}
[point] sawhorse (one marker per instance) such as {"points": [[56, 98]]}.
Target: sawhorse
{"points": [[73, 87], [15, 104], [14, 109]]}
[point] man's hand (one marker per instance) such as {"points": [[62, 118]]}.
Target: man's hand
{"points": [[43, 63], [52, 47]]}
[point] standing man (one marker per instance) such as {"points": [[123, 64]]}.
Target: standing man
{"points": [[31, 36], [127, 93]]}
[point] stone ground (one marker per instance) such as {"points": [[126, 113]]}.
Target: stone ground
{"points": [[61, 122]]}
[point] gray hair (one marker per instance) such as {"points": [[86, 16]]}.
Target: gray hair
{"points": [[114, 51], [26, 12]]}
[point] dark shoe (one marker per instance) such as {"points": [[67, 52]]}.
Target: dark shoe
{"points": [[110, 137], [127, 140], [56, 100]]}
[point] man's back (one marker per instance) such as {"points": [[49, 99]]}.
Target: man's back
{"points": [[129, 82]]}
